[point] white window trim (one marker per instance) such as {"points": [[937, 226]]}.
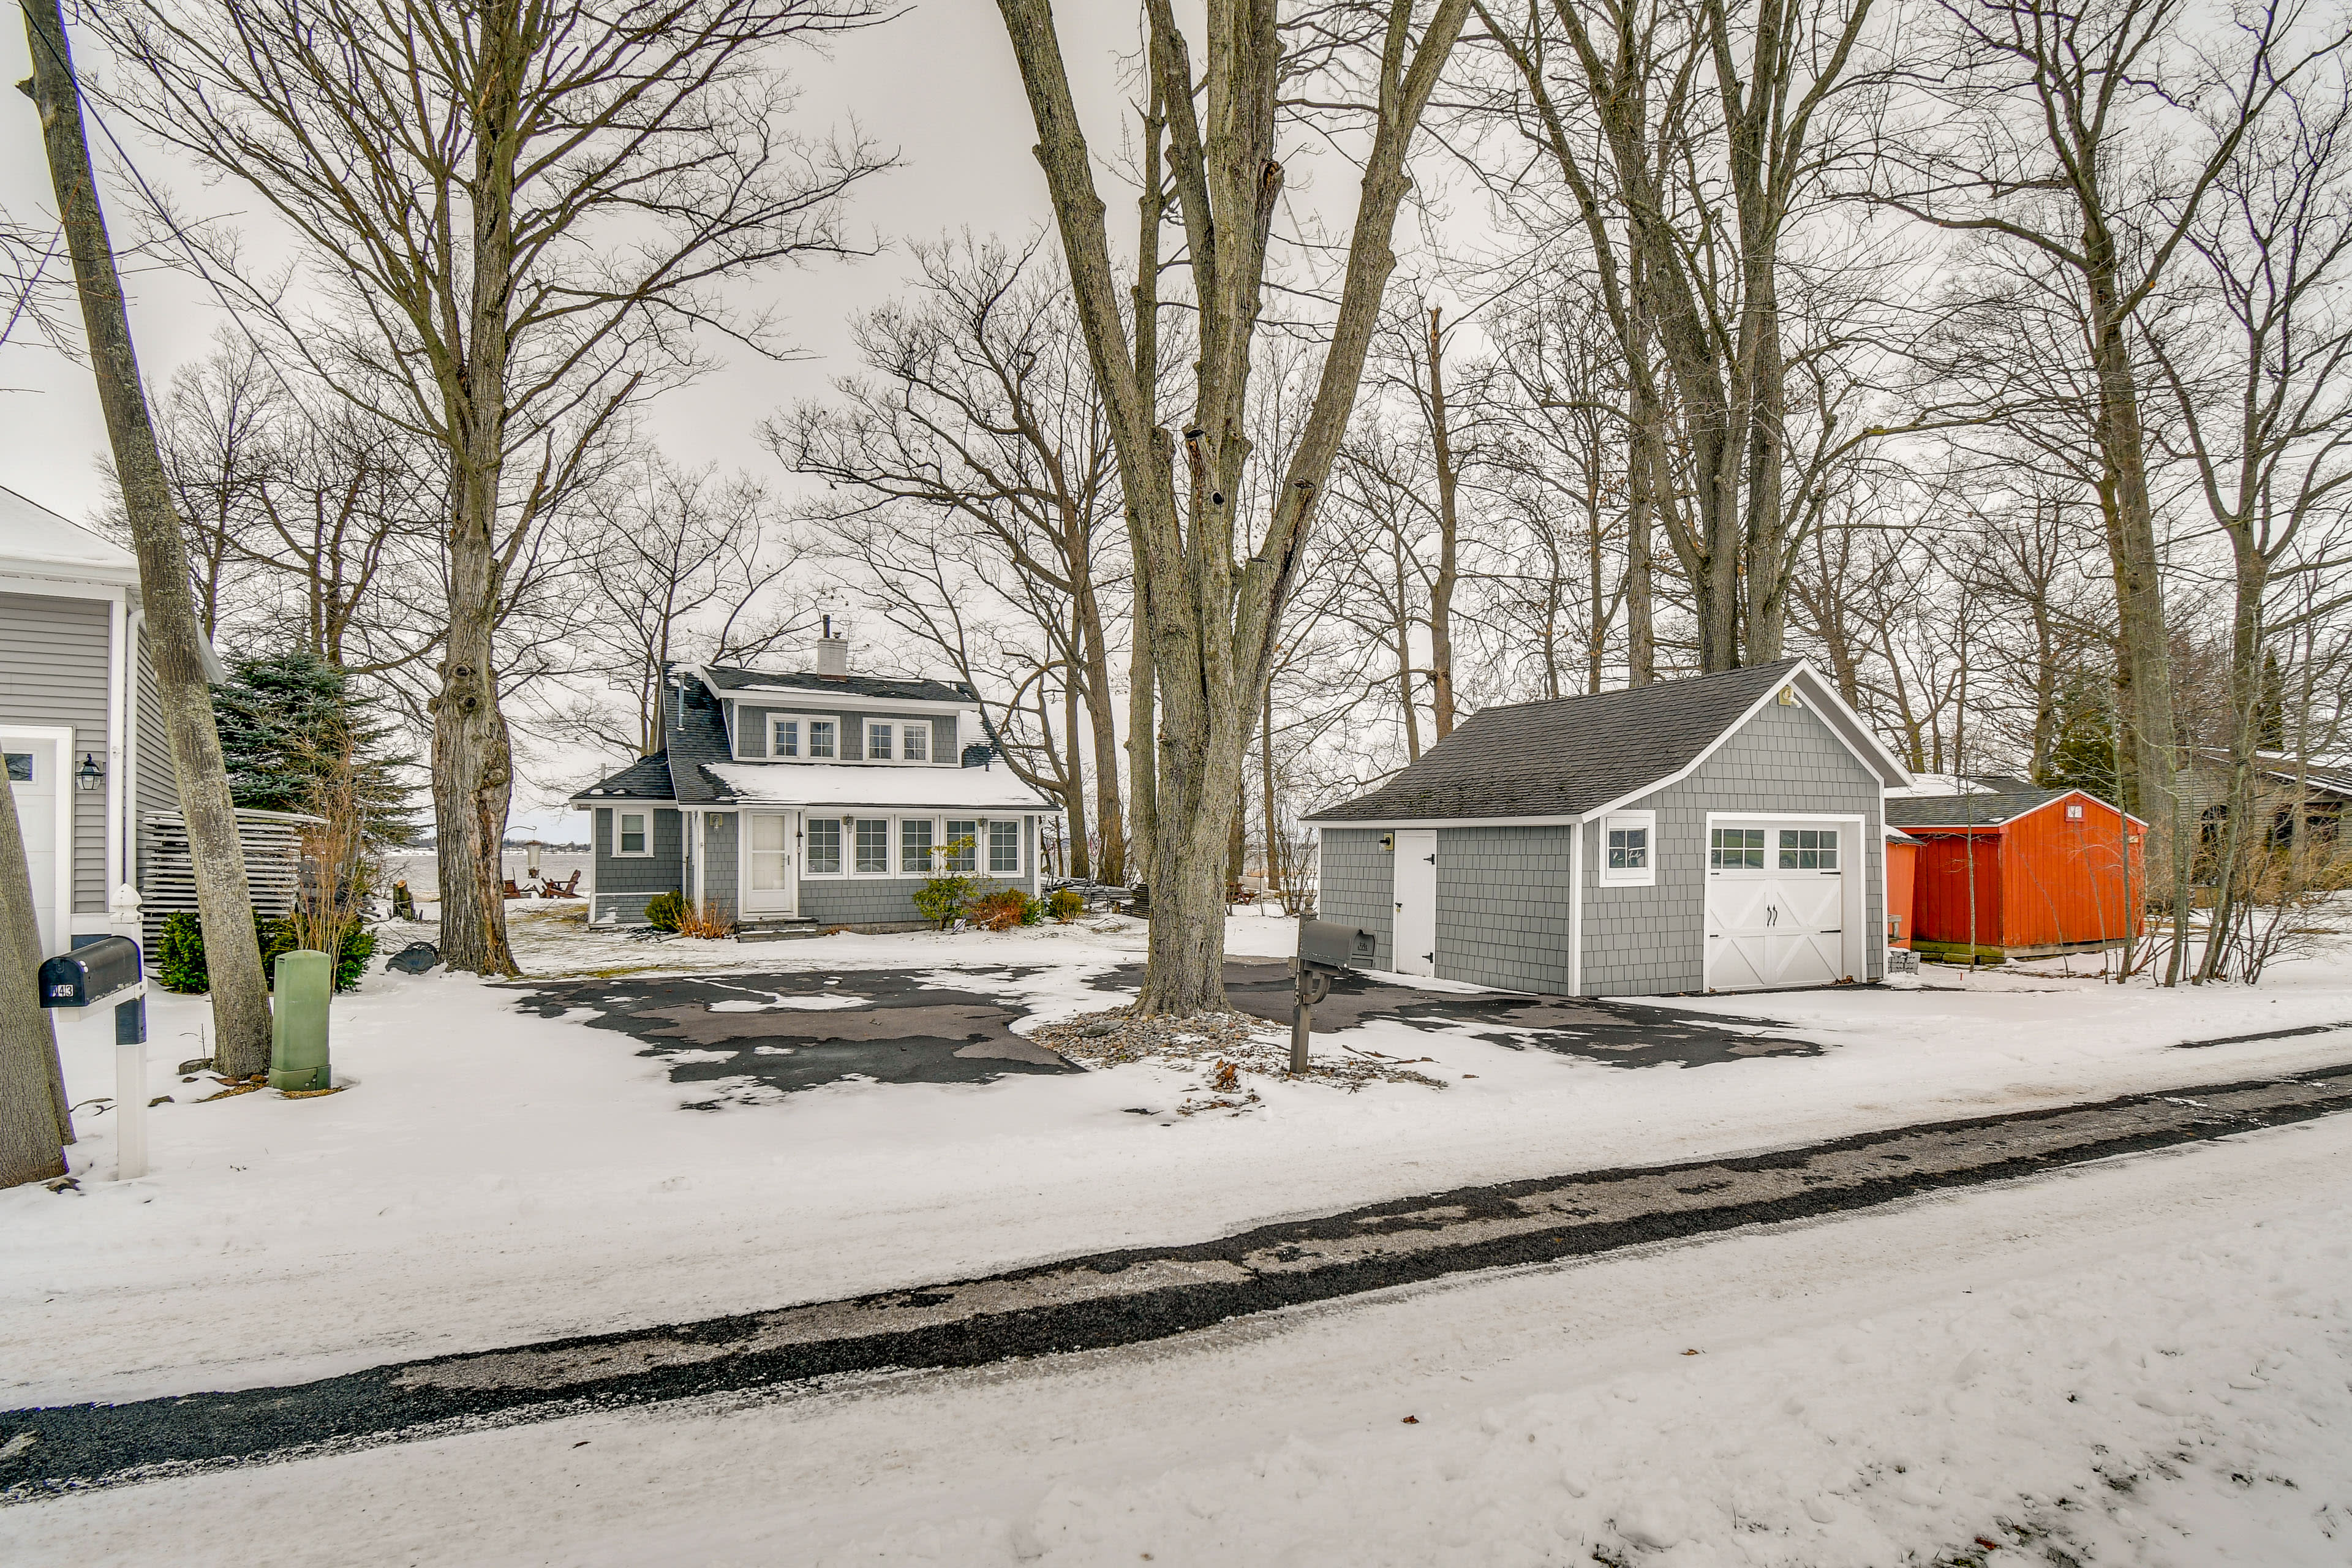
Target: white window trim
{"points": [[1020, 848], [1646, 875], [846, 852], [621, 853], [890, 847], [800, 739], [899, 723], [865, 746]]}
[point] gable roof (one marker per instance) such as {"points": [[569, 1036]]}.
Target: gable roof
{"points": [[647, 778], [1988, 807], [733, 681], [1571, 756], [36, 542]]}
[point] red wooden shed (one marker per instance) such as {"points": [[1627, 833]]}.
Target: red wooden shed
{"points": [[2020, 871], [1901, 865]]}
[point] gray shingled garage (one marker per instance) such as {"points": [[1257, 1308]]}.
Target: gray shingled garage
{"points": [[1718, 833]]}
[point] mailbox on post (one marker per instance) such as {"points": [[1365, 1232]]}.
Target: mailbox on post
{"points": [[93, 973], [101, 969], [1325, 948]]}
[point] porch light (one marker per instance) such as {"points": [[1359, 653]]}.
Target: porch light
{"points": [[89, 774]]}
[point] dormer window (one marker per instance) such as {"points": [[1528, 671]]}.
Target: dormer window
{"points": [[915, 742], [786, 739], [821, 732], [879, 738]]}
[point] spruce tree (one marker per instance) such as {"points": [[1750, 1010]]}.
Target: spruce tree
{"points": [[2084, 754], [285, 721]]}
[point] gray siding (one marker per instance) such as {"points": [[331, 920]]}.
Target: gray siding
{"points": [[1357, 887], [752, 724], [158, 785], [624, 882], [53, 657], [890, 900], [1653, 940], [720, 879], [1503, 897]]}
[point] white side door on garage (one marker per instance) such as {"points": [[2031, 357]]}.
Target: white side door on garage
{"points": [[1776, 902], [1415, 925], [45, 816]]}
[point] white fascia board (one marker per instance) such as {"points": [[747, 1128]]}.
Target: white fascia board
{"points": [[22, 577], [1851, 732]]}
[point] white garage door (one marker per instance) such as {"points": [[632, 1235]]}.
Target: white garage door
{"points": [[1775, 905], [32, 767]]}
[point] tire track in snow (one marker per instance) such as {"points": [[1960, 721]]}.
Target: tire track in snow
{"points": [[1113, 1298]]}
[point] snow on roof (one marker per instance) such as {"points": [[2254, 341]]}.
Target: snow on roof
{"points": [[36, 542], [820, 785], [1935, 786]]}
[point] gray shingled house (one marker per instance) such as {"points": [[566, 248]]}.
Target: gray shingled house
{"points": [[787, 801], [1719, 834]]}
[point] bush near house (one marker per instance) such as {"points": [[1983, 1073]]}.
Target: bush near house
{"points": [[944, 896], [1002, 908], [665, 911], [179, 953], [1066, 904]]}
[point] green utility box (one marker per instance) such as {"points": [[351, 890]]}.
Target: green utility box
{"points": [[298, 1045]]}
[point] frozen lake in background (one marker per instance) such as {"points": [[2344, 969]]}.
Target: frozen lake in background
{"points": [[422, 869]]}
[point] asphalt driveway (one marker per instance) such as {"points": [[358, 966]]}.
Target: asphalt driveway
{"points": [[749, 1038]]}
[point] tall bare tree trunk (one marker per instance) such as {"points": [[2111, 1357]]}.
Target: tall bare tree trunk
{"points": [[1265, 786], [34, 1125], [1080, 862], [240, 999], [1440, 590]]}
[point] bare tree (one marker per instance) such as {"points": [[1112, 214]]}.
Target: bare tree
{"points": [[1215, 620], [690, 568], [240, 999], [526, 213], [977, 408]]}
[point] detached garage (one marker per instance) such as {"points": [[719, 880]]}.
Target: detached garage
{"points": [[1720, 833]]}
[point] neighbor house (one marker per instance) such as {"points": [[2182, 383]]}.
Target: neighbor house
{"points": [[79, 726], [792, 802], [1719, 834]]}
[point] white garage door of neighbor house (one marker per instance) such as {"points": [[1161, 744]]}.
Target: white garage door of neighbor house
{"points": [[1416, 900], [32, 767], [1775, 905]]}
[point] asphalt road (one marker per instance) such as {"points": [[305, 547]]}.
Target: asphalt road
{"points": [[1113, 1298]]}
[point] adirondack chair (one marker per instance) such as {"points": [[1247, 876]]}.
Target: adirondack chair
{"points": [[567, 889], [513, 891]]}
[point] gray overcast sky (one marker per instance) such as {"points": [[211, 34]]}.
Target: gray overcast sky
{"points": [[939, 84]]}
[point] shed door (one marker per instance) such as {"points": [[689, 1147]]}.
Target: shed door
{"points": [[33, 773], [1416, 900], [1775, 905]]}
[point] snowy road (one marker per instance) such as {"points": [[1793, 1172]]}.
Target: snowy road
{"points": [[2137, 1362], [1125, 1297]]}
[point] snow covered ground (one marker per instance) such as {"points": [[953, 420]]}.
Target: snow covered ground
{"points": [[493, 1177], [2139, 1363]]}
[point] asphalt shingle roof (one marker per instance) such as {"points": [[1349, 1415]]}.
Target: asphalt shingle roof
{"points": [[1566, 756], [696, 730], [647, 778], [1988, 810], [727, 677]]}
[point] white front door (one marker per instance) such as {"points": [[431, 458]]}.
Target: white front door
{"points": [[770, 887], [43, 814], [1775, 905], [1416, 900]]}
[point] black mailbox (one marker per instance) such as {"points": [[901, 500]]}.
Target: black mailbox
{"points": [[91, 973], [1327, 945]]}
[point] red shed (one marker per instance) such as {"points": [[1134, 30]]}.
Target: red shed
{"points": [[1902, 863], [2042, 870]]}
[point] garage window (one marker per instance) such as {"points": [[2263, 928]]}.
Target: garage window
{"points": [[1809, 849], [1628, 849], [1736, 848]]}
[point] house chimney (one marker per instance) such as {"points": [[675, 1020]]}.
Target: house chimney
{"points": [[832, 652]]}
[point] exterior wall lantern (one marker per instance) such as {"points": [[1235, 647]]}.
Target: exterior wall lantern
{"points": [[90, 775]]}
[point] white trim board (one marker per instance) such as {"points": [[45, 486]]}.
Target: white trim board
{"points": [[60, 739]]}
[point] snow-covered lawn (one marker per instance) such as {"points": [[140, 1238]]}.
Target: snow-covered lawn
{"points": [[492, 1176], [2142, 1363]]}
